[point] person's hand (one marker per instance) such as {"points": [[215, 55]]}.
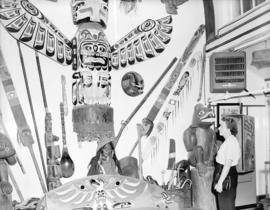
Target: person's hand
{"points": [[218, 187]]}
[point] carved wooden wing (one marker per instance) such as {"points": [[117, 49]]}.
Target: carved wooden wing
{"points": [[24, 22], [146, 41]]}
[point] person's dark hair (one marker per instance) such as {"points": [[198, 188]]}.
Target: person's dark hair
{"points": [[94, 166], [231, 124]]}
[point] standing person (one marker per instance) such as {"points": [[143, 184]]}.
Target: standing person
{"points": [[105, 161], [225, 175]]}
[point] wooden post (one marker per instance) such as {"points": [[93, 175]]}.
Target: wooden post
{"points": [[203, 198]]}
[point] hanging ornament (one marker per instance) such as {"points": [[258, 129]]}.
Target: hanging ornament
{"points": [[132, 83]]}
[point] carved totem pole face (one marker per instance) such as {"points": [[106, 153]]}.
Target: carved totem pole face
{"points": [[93, 64], [93, 50], [90, 11]]}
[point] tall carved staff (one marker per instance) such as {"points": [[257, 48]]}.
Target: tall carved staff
{"points": [[24, 131], [53, 151], [172, 79]]}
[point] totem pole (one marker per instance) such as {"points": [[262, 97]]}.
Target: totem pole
{"points": [[53, 155], [90, 54], [199, 140]]}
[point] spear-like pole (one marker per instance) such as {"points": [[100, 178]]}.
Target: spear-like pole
{"points": [[227, 96], [32, 110]]}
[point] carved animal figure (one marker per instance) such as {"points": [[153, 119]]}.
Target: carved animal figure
{"points": [[199, 138]]}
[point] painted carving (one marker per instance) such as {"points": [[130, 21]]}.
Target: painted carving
{"points": [[132, 84], [107, 192], [89, 52], [199, 138]]}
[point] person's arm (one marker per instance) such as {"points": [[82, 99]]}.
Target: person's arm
{"points": [[224, 173]]}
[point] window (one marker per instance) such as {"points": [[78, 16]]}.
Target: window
{"points": [[247, 5]]}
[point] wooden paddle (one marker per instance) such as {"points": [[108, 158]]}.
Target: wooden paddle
{"points": [[67, 164]]}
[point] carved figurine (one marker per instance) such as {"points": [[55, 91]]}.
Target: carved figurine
{"points": [[199, 138], [7, 156], [89, 52]]}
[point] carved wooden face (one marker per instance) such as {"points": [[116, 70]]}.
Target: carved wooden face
{"points": [[203, 116], [90, 11], [94, 50], [94, 55]]}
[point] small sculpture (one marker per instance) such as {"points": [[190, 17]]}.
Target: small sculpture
{"points": [[199, 138]]}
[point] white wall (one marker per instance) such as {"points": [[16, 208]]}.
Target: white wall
{"points": [[185, 23]]}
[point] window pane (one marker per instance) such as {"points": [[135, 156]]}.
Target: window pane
{"points": [[247, 5], [236, 8], [258, 2]]}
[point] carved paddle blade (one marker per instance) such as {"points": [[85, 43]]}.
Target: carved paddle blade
{"points": [[67, 164]]}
